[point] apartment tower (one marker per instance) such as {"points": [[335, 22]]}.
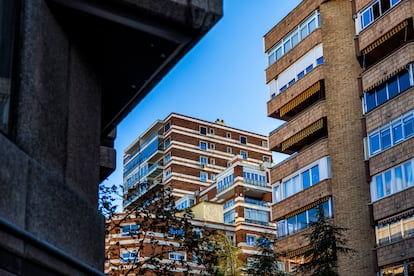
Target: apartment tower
{"points": [[341, 75], [312, 77], [186, 154]]}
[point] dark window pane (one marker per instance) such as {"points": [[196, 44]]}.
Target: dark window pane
{"points": [[381, 94], [300, 75], [302, 223], [309, 68], [376, 10], [291, 82], [370, 101], [203, 130], [404, 81], [385, 5], [312, 214], [392, 87], [315, 174]]}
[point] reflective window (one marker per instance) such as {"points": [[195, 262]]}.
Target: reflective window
{"points": [[376, 9]]}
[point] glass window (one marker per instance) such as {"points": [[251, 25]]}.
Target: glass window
{"points": [[395, 231], [279, 53], [370, 101], [228, 150], [382, 234], [286, 46], [203, 176], [291, 82], [376, 10], [315, 174], [381, 94], [379, 186], [319, 61], [300, 75], [408, 226], [251, 240], [374, 143], [203, 145], [212, 131], [212, 146], [312, 214], [397, 132], [295, 39], [296, 184], [302, 221], [243, 140], [398, 179], [388, 179], [309, 68], [312, 25], [243, 154], [404, 81], [203, 160], [392, 86], [303, 32], [287, 189], [203, 130], [276, 193], [385, 138], [408, 173], [306, 179], [228, 135], [291, 224], [167, 126], [366, 18], [408, 126]]}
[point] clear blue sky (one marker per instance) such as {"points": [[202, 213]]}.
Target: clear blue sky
{"points": [[221, 77]]}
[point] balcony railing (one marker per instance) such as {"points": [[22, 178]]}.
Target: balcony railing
{"points": [[225, 186], [254, 182], [265, 223], [141, 147], [255, 202]]}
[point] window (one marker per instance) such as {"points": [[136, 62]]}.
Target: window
{"points": [[212, 177], [388, 89], [167, 143], [167, 126], [297, 70], [177, 256], [203, 176], [225, 182], [228, 150], [228, 204], [203, 130], [231, 237], [303, 219], [243, 140], [292, 39], [212, 161], [401, 228], [392, 181], [302, 179], [203, 145], [254, 178], [167, 158], [228, 135], [129, 229], [229, 217], [211, 146], [256, 216], [167, 173], [203, 160], [129, 257], [266, 159], [212, 131], [376, 9], [391, 134], [251, 240], [406, 268], [243, 154], [8, 27]]}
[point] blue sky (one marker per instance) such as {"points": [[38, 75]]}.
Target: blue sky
{"points": [[221, 77]]}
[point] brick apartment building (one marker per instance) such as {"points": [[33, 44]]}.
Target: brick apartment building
{"points": [[340, 74], [186, 154], [222, 169]]}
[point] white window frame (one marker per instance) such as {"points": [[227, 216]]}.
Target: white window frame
{"points": [[206, 145], [203, 176], [203, 160], [177, 256], [205, 128]]}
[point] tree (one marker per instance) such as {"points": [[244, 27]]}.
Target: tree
{"points": [[229, 263], [326, 241], [164, 239], [265, 262]]}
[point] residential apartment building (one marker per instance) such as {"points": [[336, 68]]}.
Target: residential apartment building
{"points": [[186, 154], [237, 204], [341, 75]]}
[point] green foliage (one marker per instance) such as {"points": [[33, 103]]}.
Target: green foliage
{"points": [[265, 262], [160, 229], [326, 241], [229, 263]]}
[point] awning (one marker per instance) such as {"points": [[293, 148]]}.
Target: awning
{"points": [[385, 37], [302, 134], [396, 217], [307, 207], [386, 77], [300, 98]]}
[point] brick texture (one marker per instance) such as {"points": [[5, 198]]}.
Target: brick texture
{"points": [[395, 252], [394, 204]]}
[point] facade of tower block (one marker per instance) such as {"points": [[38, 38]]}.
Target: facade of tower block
{"points": [[186, 154], [312, 76]]}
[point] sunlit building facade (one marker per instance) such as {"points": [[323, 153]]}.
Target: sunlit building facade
{"points": [[340, 75]]}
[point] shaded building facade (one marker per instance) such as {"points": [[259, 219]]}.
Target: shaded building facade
{"points": [[64, 86]]}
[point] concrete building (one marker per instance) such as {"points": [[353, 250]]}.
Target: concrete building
{"points": [[340, 74], [69, 72], [185, 154]]}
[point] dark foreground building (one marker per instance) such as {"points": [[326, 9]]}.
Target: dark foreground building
{"points": [[69, 72]]}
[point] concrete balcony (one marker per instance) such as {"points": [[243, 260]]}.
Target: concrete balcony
{"points": [[302, 131], [395, 252], [393, 204], [298, 97]]}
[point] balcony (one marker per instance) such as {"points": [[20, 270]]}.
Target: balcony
{"points": [[301, 132], [256, 202], [394, 27], [141, 194]]}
